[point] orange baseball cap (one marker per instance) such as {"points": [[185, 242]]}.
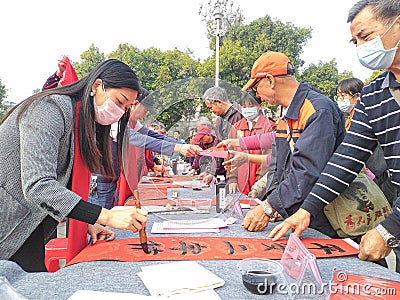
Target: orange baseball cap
{"points": [[270, 62]]}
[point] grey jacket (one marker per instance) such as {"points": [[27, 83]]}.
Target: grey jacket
{"points": [[225, 122], [36, 163]]}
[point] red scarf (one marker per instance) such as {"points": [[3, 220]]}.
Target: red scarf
{"points": [[77, 230]]}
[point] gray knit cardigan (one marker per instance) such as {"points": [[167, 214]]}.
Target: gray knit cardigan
{"points": [[36, 162]]}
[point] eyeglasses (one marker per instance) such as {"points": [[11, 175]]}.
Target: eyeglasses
{"points": [[342, 97], [256, 83]]}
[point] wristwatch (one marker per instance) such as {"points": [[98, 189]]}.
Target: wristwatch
{"points": [[390, 240], [267, 208]]}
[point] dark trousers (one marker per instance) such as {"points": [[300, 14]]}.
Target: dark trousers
{"points": [[30, 256]]}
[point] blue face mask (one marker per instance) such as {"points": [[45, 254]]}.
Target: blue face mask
{"points": [[345, 105], [250, 113], [373, 55]]}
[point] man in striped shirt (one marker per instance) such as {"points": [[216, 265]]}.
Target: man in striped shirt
{"points": [[375, 30]]}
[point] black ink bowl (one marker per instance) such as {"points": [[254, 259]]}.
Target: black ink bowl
{"points": [[259, 275]]}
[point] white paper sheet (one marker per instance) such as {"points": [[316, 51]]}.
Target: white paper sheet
{"points": [[159, 228], [206, 223], [177, 278]]}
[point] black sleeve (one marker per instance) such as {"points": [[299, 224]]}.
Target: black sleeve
{"points": [[85, 212], [51, 82]]}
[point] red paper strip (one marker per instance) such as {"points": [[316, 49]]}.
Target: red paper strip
{"points": [[349, 286], [220, 154], [206, 248]]}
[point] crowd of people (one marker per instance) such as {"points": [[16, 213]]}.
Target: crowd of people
{"points": [[64, 146]]}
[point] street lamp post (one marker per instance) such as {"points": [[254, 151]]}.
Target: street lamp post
{"points": [[218, 32]]}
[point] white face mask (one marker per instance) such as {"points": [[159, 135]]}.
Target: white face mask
{"points": [[373, 55], [108, 113], [250, 113], [345, 105]]}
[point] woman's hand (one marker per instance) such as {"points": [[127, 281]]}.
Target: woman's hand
{"points": [[99, 232], [233, 187], [236, 159], [128, 219]]}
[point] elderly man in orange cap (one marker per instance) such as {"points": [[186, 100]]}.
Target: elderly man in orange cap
{"points": [[307, 118]]}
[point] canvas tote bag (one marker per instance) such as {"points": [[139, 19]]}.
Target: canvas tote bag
{"points": [[361, 207]]}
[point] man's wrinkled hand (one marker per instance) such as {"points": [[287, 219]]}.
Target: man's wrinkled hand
{"points": [[256, 219], [372, 246], [252, 194], [298, 222], [189, 150]]}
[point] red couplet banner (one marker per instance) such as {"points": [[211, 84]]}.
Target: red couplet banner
{"points": [[206, 248], [347, 286]]}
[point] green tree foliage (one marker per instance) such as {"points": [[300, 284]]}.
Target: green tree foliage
{"points": [[373, 75], [324, 77], [157, 69], [154, 68], [90, 58], [231, 17], [234, 63], [3, 95], [240, 45], [345, 75], [243, 44], [267, 34]]}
